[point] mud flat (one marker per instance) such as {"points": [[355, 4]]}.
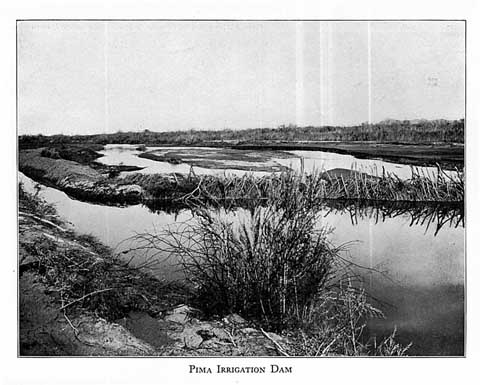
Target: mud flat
{"points": [[221, 158], [448, 156]]}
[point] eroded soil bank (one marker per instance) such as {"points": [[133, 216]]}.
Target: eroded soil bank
{"points": [[79, 180]]}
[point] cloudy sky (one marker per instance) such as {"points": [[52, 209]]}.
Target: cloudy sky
{"points": [[93, 77]]}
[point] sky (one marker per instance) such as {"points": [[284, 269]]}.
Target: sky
{"points": [[89, 77]]}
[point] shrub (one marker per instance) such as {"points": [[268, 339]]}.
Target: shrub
{"points": [[50, 153], [270, 269], [268, 266]]}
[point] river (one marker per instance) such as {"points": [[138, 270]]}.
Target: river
{"points": [[115, 154]]}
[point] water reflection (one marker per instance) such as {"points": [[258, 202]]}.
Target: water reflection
{"points": [[430, 216]]}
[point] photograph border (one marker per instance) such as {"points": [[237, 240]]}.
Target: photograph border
{"points": [[242, 20]]}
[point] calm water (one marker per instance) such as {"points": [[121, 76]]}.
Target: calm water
{"points": [[115, 154], [422, 284], [126, 154]]}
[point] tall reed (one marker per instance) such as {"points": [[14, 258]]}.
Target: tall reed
{"points": [[336, 184]]}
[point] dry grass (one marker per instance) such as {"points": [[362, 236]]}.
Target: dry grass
{"points": [[249, 191], [336, 326]]}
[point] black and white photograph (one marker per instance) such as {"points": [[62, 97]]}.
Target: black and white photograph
{"points": [[241, 188]]}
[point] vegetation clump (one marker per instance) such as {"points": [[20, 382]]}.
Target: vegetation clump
{"points": [[337, 326], [249, 190], [83, 154]]}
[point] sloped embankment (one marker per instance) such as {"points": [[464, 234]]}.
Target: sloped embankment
{"points": [[78, 180]]}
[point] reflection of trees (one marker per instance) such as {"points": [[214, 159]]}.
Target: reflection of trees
{"points": [[431, 215]]}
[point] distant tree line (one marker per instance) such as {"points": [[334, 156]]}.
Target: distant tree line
{"points": [[391, 131]]}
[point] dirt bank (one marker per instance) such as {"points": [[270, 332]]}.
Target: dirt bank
{"points": [[79, 180]]}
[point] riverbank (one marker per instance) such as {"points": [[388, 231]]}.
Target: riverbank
{"points": [[76, 179], [77, 298]]}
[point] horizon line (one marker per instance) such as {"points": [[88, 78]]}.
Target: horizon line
{"points": [[291, 125]]}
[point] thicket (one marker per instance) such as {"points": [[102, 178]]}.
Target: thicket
{"points": [[425, 131]]}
